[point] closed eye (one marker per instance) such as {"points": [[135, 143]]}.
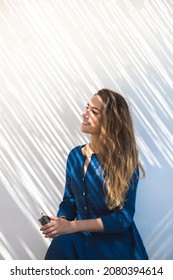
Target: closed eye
{"points": [[94, 110]]}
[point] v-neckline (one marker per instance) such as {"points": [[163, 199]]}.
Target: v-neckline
{"points": [[85, 159], [85, 167]]}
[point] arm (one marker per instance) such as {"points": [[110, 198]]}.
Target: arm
{"points": [[59, 226], [120, 220], [67, 207]]}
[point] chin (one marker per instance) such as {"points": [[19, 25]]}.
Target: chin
{"points": [[84, 130]]}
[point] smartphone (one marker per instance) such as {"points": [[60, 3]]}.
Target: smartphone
{"points": [[44, 220]]}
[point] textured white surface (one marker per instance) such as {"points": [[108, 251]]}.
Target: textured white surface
{"points": [[54, 55]]}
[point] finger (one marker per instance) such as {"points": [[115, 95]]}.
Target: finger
{"points": [[52, 234], [48, 229], [48, 225], [53, 218]]}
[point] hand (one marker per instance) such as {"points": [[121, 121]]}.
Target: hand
{"points": [[56, 226]]}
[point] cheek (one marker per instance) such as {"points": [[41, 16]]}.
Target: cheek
{"points": [[96, 120], [98, 123]]}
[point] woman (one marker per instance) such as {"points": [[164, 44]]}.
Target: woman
{"points": [[95, 218]]}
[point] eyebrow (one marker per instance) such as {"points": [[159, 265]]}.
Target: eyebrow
{"points": [[93, 107]]}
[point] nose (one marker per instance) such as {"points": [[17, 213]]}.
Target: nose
{"points": [[85, 113]]}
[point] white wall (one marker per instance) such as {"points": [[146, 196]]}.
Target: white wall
{"points": [[54, 55]]}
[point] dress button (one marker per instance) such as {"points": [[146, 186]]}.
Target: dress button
{"points": [[85, 208], [83, 193], [83, 179]]}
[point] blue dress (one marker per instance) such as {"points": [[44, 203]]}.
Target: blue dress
{"points": [[84, 198]]}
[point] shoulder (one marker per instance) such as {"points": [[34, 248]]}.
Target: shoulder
{"points": [[75, 156], [75, 151]]}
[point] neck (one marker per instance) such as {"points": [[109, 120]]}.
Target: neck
{"points": [[94, 144]]}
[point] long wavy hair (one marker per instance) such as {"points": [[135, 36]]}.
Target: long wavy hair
{"points": [[118, 152]]}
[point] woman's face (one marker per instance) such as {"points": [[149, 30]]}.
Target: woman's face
{"points": [[92, 116]]}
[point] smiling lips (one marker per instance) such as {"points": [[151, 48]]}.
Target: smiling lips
{"points": [[86, 123]]}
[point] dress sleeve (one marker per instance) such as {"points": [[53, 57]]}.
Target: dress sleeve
{"points": [[67, 207], [120, 220]]}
